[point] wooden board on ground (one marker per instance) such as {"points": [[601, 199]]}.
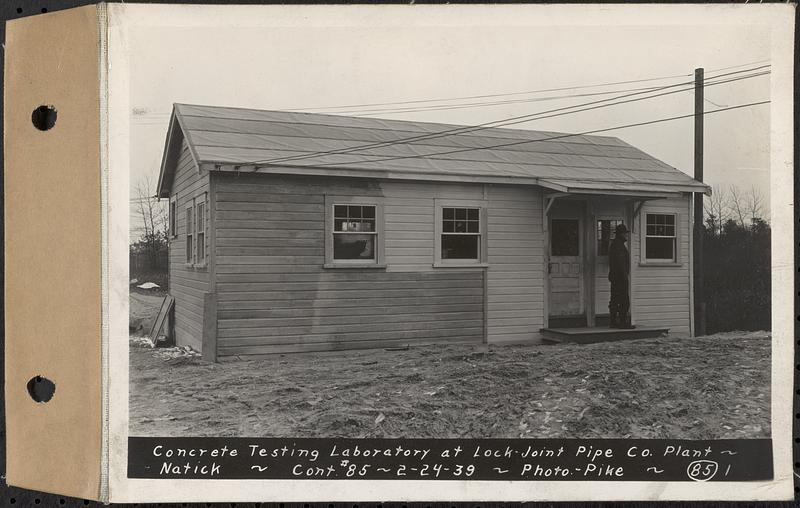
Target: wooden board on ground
{"points": [[161, 318]]}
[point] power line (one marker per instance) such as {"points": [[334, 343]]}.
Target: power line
{"points": [[468, 129], [142, 118], [488, 96], [511, 94], [737, 66], [595, 131], [498, 123], [447, 107], [369, 112]]}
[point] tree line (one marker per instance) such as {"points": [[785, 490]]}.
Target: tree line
{"points": [[736, 253], [149, 222]]}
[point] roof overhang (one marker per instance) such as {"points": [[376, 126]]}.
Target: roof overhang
{"points": [[630, 189], [167, 170], [172, 154]]}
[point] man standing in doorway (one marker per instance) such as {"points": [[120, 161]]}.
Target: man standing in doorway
{"points": [[618, 269]]}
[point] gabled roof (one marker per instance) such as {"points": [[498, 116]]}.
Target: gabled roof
{"points": [[234, 139]]}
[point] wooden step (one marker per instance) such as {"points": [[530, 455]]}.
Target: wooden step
{"points": [[587, 335]]}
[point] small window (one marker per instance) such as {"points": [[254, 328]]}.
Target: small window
{"points": [[200, 220], [354, 232], [189, 235], [173, 216], [605, 234], [565, 237], [660, 237], [461, 233]]}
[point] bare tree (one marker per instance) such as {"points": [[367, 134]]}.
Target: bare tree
{"points": [[754, 204], [717, 209], [152, 215], [738, 205]]}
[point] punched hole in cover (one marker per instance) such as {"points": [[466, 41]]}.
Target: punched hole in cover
{"points": [[44, 117], [41, 389]]}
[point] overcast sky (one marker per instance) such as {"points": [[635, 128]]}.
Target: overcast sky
{"points": [[316, 67]]}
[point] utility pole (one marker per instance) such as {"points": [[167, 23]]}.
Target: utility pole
{"points": [[699, 293]]}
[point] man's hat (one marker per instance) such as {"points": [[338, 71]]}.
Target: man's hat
{"points": [[621, 228]]}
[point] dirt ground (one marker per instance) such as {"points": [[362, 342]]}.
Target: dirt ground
{"points": [[143, 308], [702, 388]]}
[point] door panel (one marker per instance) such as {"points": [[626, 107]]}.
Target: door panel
{"points": [[565, 268]]}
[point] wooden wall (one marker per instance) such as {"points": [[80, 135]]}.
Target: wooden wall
{"points": [[187, 284], [275, 296], [516, 264], [660, 294]]}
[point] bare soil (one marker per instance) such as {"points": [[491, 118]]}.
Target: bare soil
{"points": [[701, 388], [143, 308]]}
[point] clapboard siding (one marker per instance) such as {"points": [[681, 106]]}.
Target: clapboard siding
{"points": [[409, 212], [187, 284], [274, 296], [660, 294], [515, 291]]}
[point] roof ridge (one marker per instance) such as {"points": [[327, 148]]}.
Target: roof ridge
{"points": [[445, 126]]}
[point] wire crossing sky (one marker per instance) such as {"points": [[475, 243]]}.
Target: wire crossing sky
{"points": [[433, 73], [514, 120]]}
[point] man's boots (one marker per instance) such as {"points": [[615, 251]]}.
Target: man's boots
{"points": [[613, 316], [625, 321]]}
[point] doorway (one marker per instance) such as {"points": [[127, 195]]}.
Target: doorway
{"points": [[565, 271]]}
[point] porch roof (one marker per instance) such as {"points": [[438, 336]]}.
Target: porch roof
{"points": [[247, 140]]}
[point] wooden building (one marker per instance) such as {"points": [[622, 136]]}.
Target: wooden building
{"points": [[294, 232]]}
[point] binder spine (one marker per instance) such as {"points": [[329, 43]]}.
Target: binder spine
{"points": [[53, 300], [102, 30]]}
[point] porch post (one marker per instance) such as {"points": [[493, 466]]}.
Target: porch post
{"points": [[546, 255], [589, 258]]}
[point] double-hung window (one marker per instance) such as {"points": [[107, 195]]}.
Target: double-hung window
{"points": [[190, 234], [173, 216], [354, 232], [660, 238], [460, 233], [196, 232], [200, 221]]}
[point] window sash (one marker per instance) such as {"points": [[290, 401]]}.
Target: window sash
{"points": [[200, 232], [608, 227], [173, 216], [666, 222], [356, 212], [189, 234], [470, 215]]}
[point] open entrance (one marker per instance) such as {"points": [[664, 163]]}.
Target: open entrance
{"points": [[604, 235], [580, 231]]}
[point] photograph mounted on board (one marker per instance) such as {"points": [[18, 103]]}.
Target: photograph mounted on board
{"points": [[450, 232]]}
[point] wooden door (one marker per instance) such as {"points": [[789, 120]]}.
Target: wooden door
{"points": [[566, 268]]}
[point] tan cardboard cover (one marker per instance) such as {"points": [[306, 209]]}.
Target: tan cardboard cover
{"points": [[53, 253]]}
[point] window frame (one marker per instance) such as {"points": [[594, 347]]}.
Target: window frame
{"points": [[483, 236], [379, 260], [597, 238], [173, 216], [200, 201], [189, 224], [676, 243]]}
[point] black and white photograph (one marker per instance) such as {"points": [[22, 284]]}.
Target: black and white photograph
{"points": [[386, 230]]}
